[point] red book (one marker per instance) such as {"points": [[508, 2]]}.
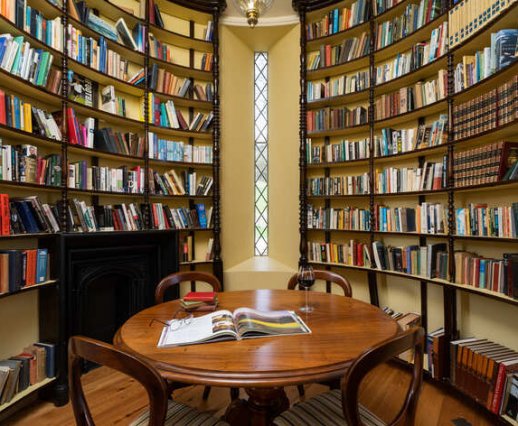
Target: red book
{"points": [[200, 296], [5, 215], [2, 108]]}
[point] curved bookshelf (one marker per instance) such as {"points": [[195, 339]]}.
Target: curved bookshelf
{"points": [[181, 70], [180, 40], [106, 193], [338, 69], [41, 187], [93, 152], [191, 197], [425, 110], [107, 116], [394, 233], [436, 149], [338, 100], [181, 164], [30, 138], [359, 128], [180, 133], [333, 38], [411, 193], [336, 164], [185, 102]]}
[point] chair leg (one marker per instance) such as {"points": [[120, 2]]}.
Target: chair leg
{"points": [[301, 390], [234, 393], [206, 393]]}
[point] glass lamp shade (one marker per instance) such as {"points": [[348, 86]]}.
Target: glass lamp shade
{"points": [[252, 9]]}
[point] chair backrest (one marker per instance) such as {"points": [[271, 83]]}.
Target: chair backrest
{"points": [[410, 339], [83, 348], [326, 276], [180, 277]]}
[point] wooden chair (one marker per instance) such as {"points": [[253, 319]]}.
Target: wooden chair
{"points": [[326, 276], [176, 279], [161, 411], [334, 278], [341, 407]]}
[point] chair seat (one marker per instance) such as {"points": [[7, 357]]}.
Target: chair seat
{"points": [[179, 415], [325, 410]]}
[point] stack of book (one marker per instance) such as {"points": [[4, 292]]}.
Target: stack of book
{"points": [[337, 86], [23, 268], [336, 118], [350, 49], [339, 185], [498, 275], [197, 301], [33, 365], [337, 152], [414, 17], [408, 99], [347, 219], [338, 20]]}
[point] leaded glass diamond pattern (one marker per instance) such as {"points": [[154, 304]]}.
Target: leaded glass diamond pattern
{"points": [[261, 153]]}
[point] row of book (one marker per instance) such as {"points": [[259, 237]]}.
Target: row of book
{"points": [[27, 215], [338, 20], [498, 275], [390, 142], [335, 118], [487, 372], [484, 221], [164, 114], [166, 52], [351, 253], [486, 62], [187, 249], [98, 178], [486, 112], [429, 261], [32, 21], [21, 115], [425, 218], [467, 17], [95, 54], [167, 150], [338, 185], [407, 99], [337, 152], [23, 268], [346, 219], [489, 163], [349, 49], [171, 184], [21, 163], [381, 6], [33, 65], [165, 217], [34, 364], [398, 141], [392, 180], [163, 81], [414, 17], [419, 55], [337, 86]]}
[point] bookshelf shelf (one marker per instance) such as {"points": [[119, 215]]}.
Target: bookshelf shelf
{"points": [[180, 133], [107, 193], [78, 149], [185, 102], [407, 42], [339, 100], [334, 70], [192, 197], [426, 110], [337, 164], [47, 8], [431, 150], [488, 239], [195, 229], [20, 395], [129, 123], [182, 71], [392, 12], [31, 185], [360, 128], [109, 8], [336, 197], [411, 193], [197, 262], [421, 73], [26, 236], [180, 164], [180, 40], [26, 137], [504, 185], [353, 31], [30, 288], [498, 133], [394, 233], [105, 79]]}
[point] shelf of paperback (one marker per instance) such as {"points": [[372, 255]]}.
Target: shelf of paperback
{"points": [[31, 389]]}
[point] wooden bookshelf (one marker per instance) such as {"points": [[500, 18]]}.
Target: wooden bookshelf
{"points": [[194, 16], [450, 197]]}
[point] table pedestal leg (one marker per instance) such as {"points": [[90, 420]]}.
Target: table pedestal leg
{"points": [[262, 406]]}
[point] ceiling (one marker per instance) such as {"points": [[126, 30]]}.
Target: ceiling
{"points": [[281, 13]]}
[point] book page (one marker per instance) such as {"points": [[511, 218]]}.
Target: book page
{"points": [[252, 323], [216, 326]]}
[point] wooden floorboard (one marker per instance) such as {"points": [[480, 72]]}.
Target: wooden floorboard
{"points": [[116, 400]]}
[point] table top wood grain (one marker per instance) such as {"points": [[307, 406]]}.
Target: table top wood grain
{"points": [[342, 328]]}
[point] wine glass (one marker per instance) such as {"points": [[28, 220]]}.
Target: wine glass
{"points": [[306, 279]]}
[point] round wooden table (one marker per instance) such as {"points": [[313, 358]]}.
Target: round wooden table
{"points": [[342, 328]]}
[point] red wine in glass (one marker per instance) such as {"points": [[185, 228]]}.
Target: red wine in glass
{"points": [[306, 279]]}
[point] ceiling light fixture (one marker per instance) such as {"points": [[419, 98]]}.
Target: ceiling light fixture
{"points": [[252, 9]]}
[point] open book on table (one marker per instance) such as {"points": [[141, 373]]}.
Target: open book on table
{"points": [[243, 323]]}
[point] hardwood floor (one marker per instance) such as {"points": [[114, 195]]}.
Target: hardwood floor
{"points": [[116, 400]]}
